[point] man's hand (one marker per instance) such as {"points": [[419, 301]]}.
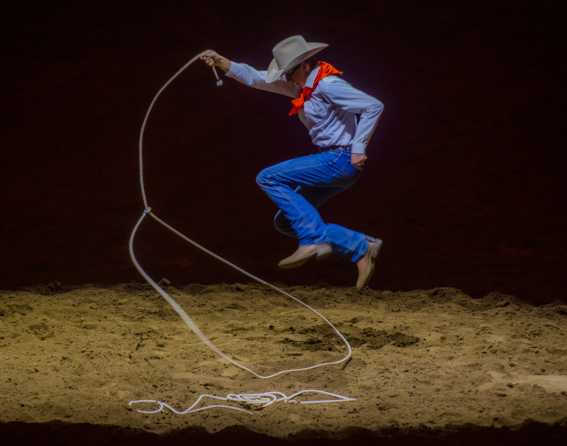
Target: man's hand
{"points": [[358, 160], [212, 58]]}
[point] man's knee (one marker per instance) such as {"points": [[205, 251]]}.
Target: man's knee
{"points": [[264, 177]]}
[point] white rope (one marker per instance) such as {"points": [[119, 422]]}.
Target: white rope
{"points": [[260, 400], [187, 319]]}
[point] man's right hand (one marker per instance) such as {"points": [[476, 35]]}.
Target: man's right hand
{"points": [[358, 160], [212, 58]]}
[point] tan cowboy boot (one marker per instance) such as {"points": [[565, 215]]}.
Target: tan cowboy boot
{"points": [[305, 253], [366, 264]]}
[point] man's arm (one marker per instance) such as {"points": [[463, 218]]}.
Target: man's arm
{"points": [[348, 98], [248, 75]]}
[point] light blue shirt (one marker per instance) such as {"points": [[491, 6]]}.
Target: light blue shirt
{"points": [[337, 114]]}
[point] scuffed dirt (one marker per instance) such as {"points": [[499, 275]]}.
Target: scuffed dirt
{"points": [[426, 359]]}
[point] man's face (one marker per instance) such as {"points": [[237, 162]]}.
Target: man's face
{"points": [[298, 75]]}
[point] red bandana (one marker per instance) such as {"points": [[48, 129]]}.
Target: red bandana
{"points": [[326, 70]]}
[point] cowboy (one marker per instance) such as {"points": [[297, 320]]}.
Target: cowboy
{"points": [[340, 120]]}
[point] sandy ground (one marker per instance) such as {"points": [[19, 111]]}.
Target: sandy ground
{"points": [[423, 361]]}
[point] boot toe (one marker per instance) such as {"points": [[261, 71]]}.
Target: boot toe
{"points": [[299, 257], [365, 274]]}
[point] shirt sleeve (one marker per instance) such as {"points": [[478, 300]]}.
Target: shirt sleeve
{"points": [[349, 99], [257, 79]]}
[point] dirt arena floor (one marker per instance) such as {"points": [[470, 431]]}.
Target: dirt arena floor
{"points": [[429, 366]]}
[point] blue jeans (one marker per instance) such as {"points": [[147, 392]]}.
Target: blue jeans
{"points": [[300, 185]]}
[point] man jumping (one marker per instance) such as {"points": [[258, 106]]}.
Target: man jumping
{"points": [[340, 120]]}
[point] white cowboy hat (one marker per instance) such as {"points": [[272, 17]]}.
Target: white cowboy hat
{"points": [[289, 53]]}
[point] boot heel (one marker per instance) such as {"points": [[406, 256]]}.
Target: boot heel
{"points": [[323, 256], [324, 251]]}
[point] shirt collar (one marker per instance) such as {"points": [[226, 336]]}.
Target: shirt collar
{"points": [[311, 78]]}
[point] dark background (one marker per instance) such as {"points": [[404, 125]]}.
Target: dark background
{"points": [[466, 171]]}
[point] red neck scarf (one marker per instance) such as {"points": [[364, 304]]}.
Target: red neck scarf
{"points": [[326, 69]]}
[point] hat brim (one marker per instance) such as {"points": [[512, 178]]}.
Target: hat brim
{"points": [[275, 72]]}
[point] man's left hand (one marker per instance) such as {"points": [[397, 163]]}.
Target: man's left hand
{"points": [[358, 160]]}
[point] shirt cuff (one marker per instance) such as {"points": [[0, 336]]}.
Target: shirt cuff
{"points": [[234, 70], [358, 148]]}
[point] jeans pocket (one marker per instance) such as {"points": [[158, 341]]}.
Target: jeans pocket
{"points": [[340, 162], [335, 157]]}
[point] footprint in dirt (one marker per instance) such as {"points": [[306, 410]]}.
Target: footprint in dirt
{"points": [[376, 339], [322, 338], [551, 383], [15, 309], [41, 330]]}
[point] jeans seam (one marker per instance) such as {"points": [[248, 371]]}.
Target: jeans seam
{"points": [[339, 154], [297, 169]]}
